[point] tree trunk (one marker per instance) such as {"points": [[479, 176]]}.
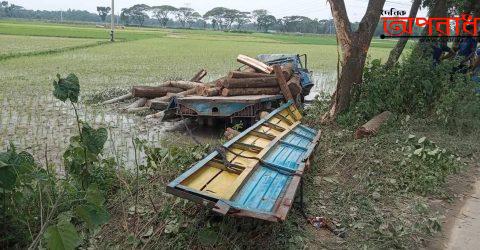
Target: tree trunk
{"points": [[354, 47], [402, 42]]}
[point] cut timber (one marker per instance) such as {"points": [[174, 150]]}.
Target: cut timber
{"points": [[254, 63], [251, 82], [294, 85], [156, 115], [119, 99], [157, 104], [169, 96], [213, 91], [248, 69], [250, 91], [287, 70], [241, 74], [199, 90], [185, 85], [139, 109], [282, 83], [137, 104], [199, 76], [372, 126], [152, 92]]}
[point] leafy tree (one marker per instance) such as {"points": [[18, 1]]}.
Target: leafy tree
{"points": [[138, 13], [256, 14], [184, 15], [265, 22], [103, 12], [195, 17], [125, 16], [162, 13], [242, 18], [217, 15], [12, 10]]}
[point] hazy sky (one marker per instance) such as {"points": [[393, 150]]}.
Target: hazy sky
{"points": [[279, 8]]}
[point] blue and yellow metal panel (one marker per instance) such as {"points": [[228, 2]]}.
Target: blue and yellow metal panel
{"points": [[268, 159]]}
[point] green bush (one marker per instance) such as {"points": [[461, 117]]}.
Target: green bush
{"points": [[418, 87]]}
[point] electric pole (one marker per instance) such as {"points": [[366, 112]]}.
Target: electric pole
{"points": [[112, 24]]}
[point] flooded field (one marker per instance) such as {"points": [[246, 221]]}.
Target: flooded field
{"points": [[43, 125]]}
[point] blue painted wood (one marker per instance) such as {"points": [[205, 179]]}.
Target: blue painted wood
{"points": [[264, 188]]}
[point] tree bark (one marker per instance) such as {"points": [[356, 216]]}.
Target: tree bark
{"points": [[372, 126], [282, 83], [354, 47], [402, 42], [199, 76], [152, 92]]}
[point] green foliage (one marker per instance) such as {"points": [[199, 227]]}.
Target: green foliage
{"points": [[93, 211], [415, 86], [14, 166], [62, 236], [426, 166], [67, 88]]}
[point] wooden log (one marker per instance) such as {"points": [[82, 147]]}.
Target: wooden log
{"points": [[199, 90], [248, 69], [169, 96], [118, 99], [153, 92], [219, 82], [264, 82], [287, 70], [282, 83], [199, 76], [213, 91], [137, 104], [250, 91], [254, 63], [185, 85], [371, 127], [139, 109], [294, 85], [157, 104], [241, 74], [158, 115]]}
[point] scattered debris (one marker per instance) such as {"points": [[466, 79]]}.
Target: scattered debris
{"points": [[230, 133]]}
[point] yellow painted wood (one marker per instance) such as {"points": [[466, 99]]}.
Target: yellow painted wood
{"points": [[212, 180], [200, 178], [220, 185]]}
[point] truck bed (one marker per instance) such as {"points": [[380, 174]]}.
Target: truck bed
{"points": [[228, 99]]}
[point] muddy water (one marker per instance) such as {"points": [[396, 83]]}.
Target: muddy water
{"points": [[43, 125]]}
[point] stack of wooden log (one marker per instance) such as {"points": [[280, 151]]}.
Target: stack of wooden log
{"points": [[255, 78], [157, 97]]}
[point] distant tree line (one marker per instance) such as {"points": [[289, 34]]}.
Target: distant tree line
{"points": [[15, 11], [219, 18]]}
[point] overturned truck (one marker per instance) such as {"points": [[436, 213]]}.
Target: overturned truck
{"points": [[245, 93], [257, 173]]}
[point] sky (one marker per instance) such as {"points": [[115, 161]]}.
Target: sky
{"points": [[279, 8]]}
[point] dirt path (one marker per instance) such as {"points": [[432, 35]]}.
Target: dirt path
{"points": [[465, 232]]}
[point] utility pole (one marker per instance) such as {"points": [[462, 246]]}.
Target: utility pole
{"points": [[112, 24]]}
